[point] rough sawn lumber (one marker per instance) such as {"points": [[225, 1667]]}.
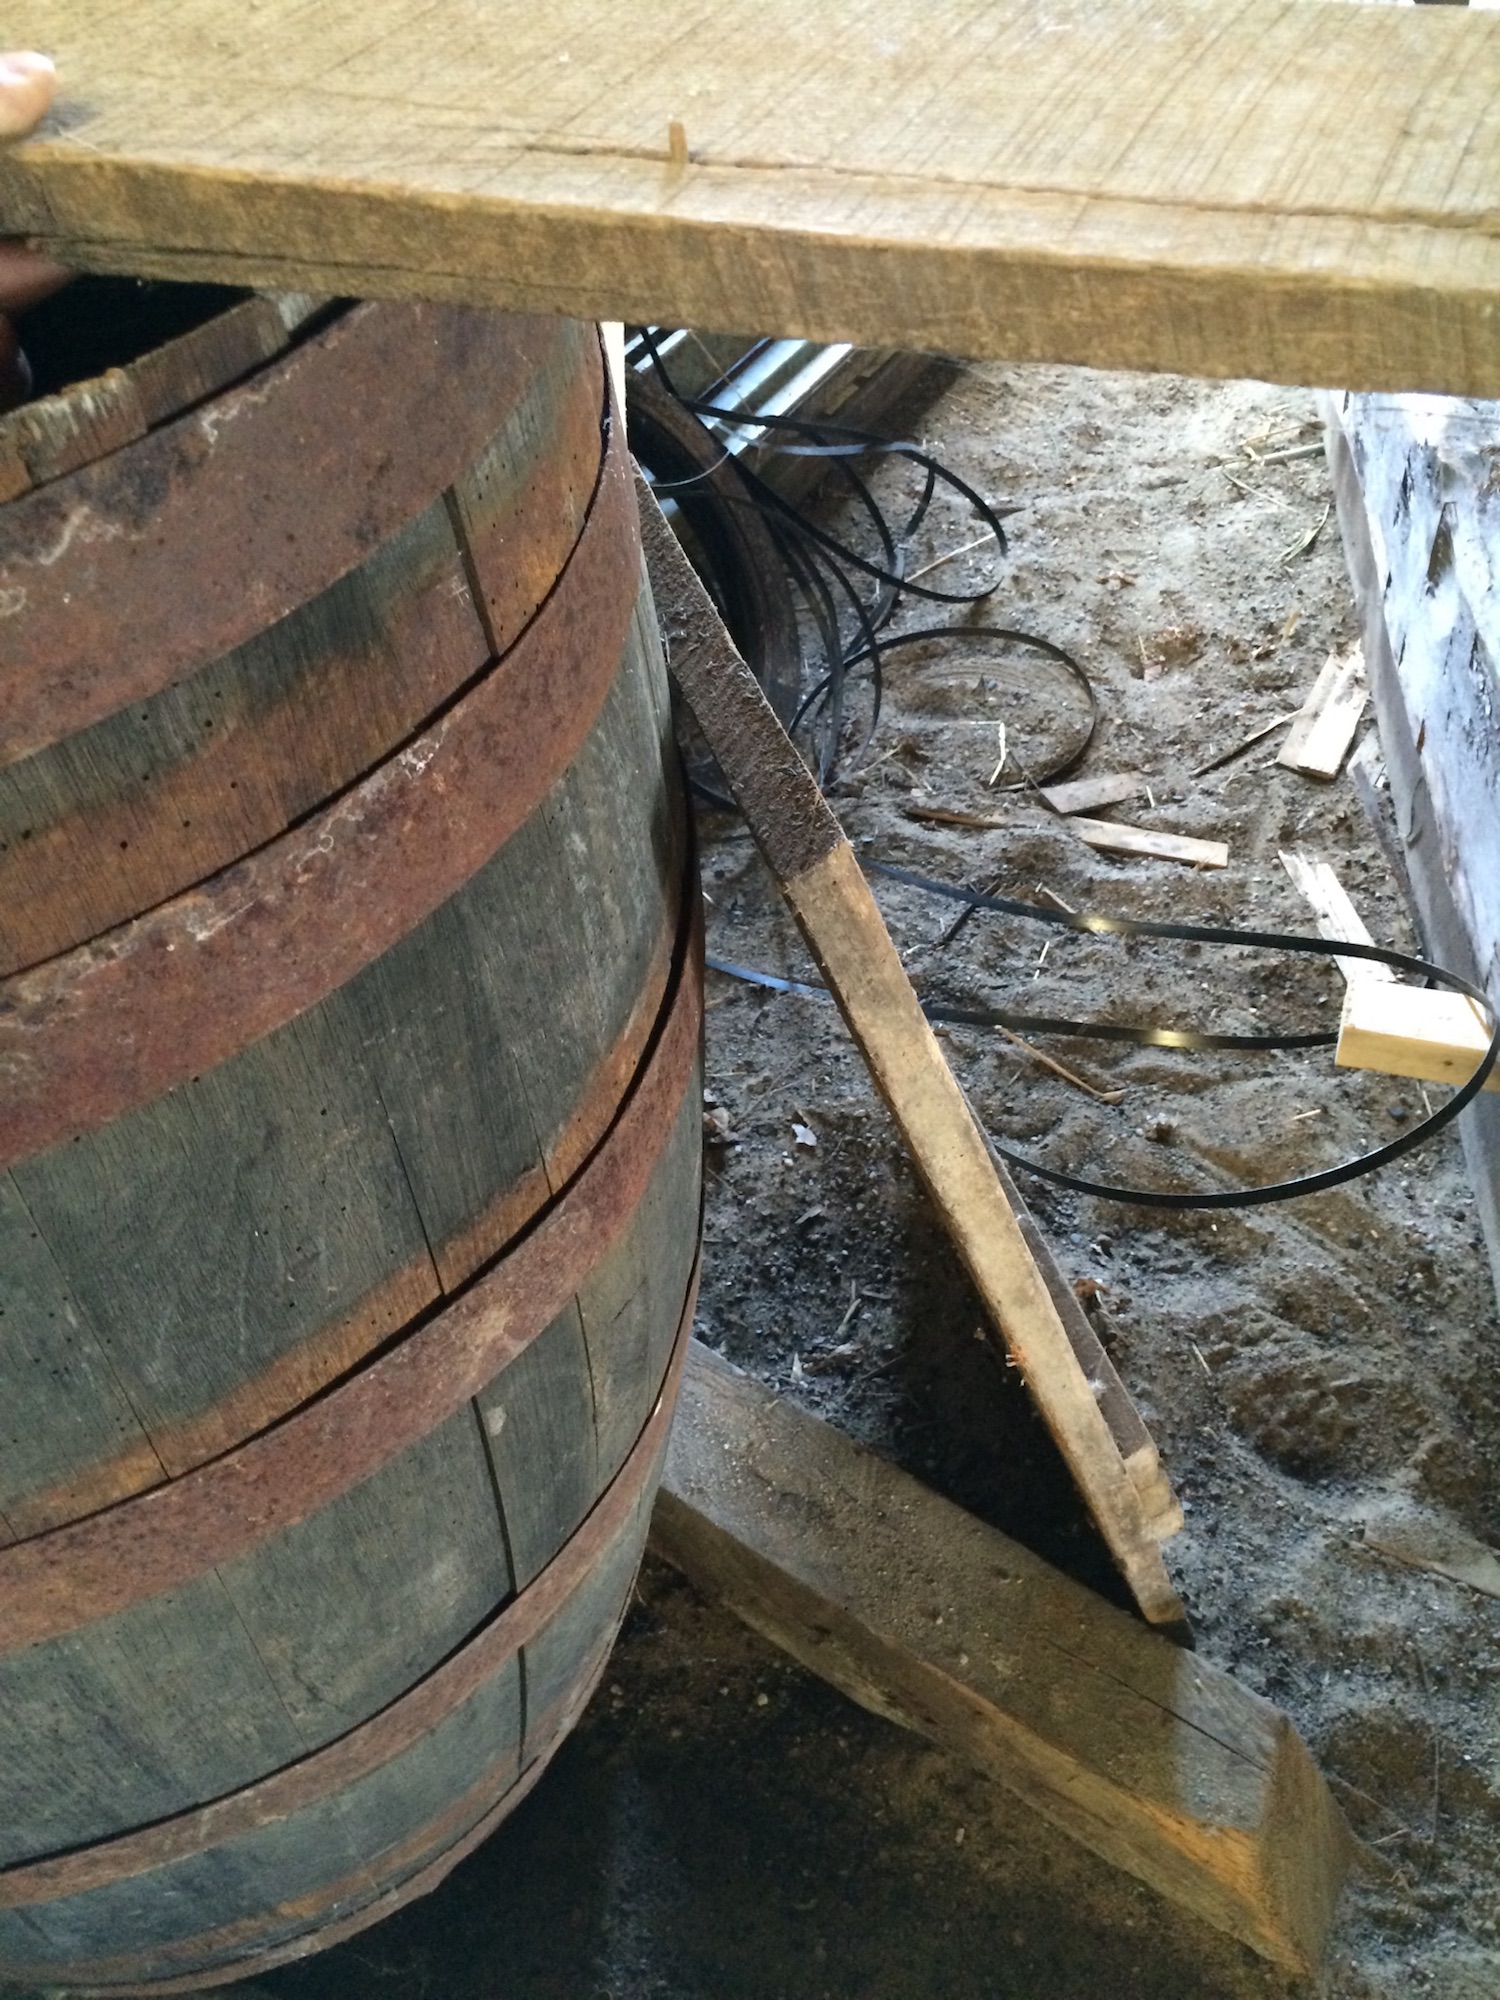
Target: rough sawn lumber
{"points": [[818, 874], [1285, 188], [1153, 1759]]}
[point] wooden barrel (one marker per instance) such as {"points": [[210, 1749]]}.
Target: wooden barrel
{"points": [[350, 1010]]}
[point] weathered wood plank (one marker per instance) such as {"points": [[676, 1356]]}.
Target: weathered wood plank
{"points": [[1152, 1758], [507, 1026], [631, 1303], [1114, 837], [1337, 918], [118, 816], [1324, 726], [351, 1606], [538, 1423], [1293, 191], [240, 1240], [817, 872], [1081, 795], [289, 1859], [1420, 517]]}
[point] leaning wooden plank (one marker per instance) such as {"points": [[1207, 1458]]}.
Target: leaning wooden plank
{"points": [[1117, 838], [1152, 1758], [815, 867], [1409, 1031], [1128, 183], [1338, 920], [1323, 728]]}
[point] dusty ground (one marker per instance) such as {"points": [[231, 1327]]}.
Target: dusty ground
{"points": [[1309, 1370], [721, 1825]]}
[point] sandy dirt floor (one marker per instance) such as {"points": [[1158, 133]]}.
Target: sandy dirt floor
{"points": [[1320, 1375]]}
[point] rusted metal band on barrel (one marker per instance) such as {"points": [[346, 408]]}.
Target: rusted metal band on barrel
{"points": [[117, 1022], [88, 626], [396, 1728], [56, 1582], [315, 1362]]}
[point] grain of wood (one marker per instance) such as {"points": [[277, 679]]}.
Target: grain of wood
{"points": [[1407, 1031], [1323, 728], [1081, 795], [1117, 838], [1338, 920], [1149, 1756], [1287, 191]]}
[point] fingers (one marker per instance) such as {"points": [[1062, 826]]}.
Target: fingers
{"points": [[26, 277], [27, 82]]}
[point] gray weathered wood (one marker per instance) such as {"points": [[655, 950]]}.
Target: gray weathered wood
{"points": [[354, 1604], [237, 1238], [1420, 517], [134, 1718], [1151, 1757], [63, 1412], [289, 1858]]}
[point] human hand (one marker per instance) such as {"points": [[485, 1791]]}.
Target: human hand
{"points": [[27, 82]]}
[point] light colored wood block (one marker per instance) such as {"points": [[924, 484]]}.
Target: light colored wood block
{"points": [[1411, 1031], [1081, 795]]}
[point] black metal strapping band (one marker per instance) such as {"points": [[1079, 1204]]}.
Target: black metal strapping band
{"points": [[1179, 1038]]}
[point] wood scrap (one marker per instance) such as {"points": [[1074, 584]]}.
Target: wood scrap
{"points": [[1338, 920], [1061, 1069], [519, 164], [1323, 728], [817, 871], [1410, 1031], [1150, 1757], [1082, 795], [947, 816], [1424, 1541], [1117, 838]]}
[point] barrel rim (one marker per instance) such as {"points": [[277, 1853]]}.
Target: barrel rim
{"points": [[112, 1024]]}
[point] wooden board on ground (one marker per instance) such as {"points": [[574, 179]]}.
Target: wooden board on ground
{"points": [[815, 867], [1145, 841], [1286, 190], [1153, 1759], [1081, 795], [1323, 728]]}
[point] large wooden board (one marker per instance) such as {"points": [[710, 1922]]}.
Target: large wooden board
{"points": [[1285, 188], [1152, 1758]]}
